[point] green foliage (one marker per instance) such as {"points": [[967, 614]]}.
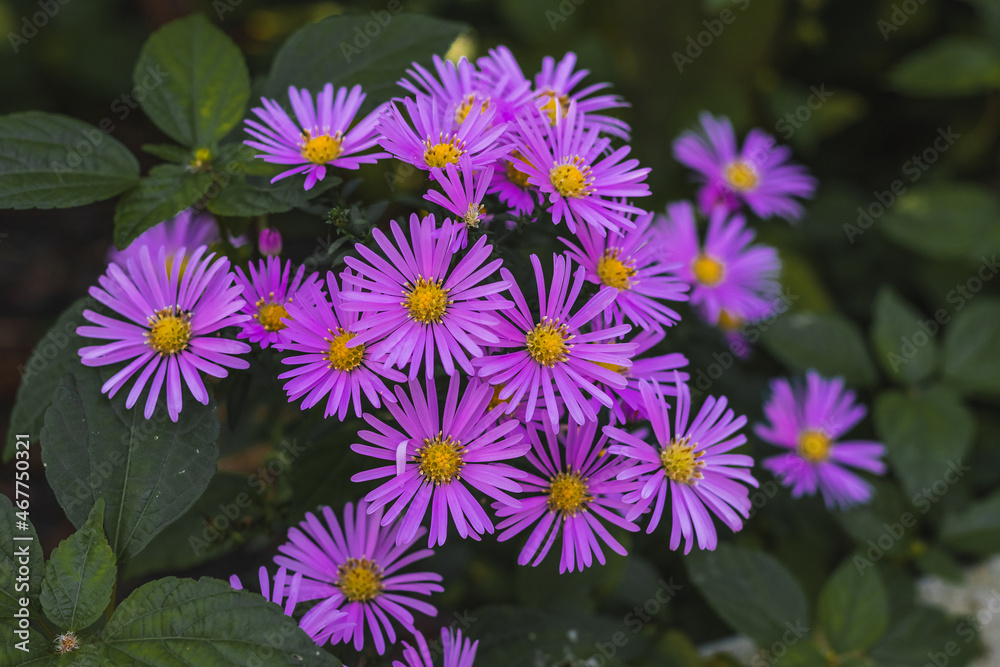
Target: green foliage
{"points": [[975, 529], [955, 65], [972, 348], [11, 553], [895, 325], [165, 192], [826, 342], [853, 608]]}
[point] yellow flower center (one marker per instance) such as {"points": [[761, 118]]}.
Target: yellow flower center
{"points": [[549, 107], [440, 459], [269, 314], [546, 343], [518, 178], [202, 160], [66, 643], [741, 176], [473, 215], [814, 446], [612, 367], [444, 152], [567, 493], [170, 330], [340, 356], [359, 579], [569, 179], [496, 400], [613, 271], [708, 270], [321, 149], [729, 322], [426, 301], [680, 461], [462, 110]]}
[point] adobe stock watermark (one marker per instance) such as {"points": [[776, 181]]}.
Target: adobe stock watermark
{"points": [[363, 35], [795, 119], [914, 168], [898, 17], [771, 654], [714, 28], [31, 25], [635, 620], [562, 12]]}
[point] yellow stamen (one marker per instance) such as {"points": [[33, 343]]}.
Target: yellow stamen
{"points": [[612, 367], [741, 176], [202, 160], [708, 270], [66, 643], [462, 110], [426, 301], [571, 179], [440, 459], [169, 330], [549, 107], [443, 152], [680, 461], [546, 343], [814, 446], [473, 215], [729, 322], [340, 356], [516, 177], [321, 149], [568, 493], [359, 579], [613, 271], [496, 400], [269, 314]]}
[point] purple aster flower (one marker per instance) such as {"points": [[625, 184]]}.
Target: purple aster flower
{"points": [[632, 264], [279, 591], [758, 175], [320, 330], [438, 456], [356, 570], [174, 316], [584, 183], [432, 142], [551, 352], [187, 229], [809, 421], [729, 276], [512, 186], [574, 494], [321, 136], [267, 292], [463, 195], [457, 652], [693, 466], [419, 303], [659, 368], [269, 242]]}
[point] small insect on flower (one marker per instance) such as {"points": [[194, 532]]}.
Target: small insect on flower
{"points": [[457, 652], [355, 568], [320, 138], [809, 421], [267, 293], [758, 175], [173, 318]]}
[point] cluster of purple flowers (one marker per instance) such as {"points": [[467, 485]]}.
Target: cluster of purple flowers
{"points": [[556, 405]]}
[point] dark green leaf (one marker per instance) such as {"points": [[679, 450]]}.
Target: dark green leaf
{"points": [[37, 647], [12, 548], [676, 650], [975, 529], [888, 515], [182, 622], [972, 348], [256, 196], [802, 654], [337, 50], [196, 81], [853, 608], [169, 152], [148, 471], [53, 161], [825, 342], [165, 192], [80, 575], [751, 591], [939, 563], [923, 632], [954, 65], [906, 351], [926, 433]]}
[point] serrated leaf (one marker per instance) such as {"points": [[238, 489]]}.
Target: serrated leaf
{"points": [[826, 342], [80, 575], [974, 529], [11, 553], [182, 622], [906, 351], [853, 608], [148, 471], [165, 192], [972, 348], [751, 591], [196, 81], [52, 161], [927, 434], [337, 50], [954, 65]]}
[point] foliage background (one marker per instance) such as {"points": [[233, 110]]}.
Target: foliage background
{"points": [[892, 93]]}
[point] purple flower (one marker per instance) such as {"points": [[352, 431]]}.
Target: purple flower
{"points": [[574, 492], [551, 352], [660, 368], [431, 141], [463, 195], [356, 570], [320, 330], [267, 292], [809, 421], [457, 652], [278, 593], [693, 466], [269, 242], [173, 318], [584, 181], [419, 303], [321, 136], [187, 229], [758, 175], [438, 456], [732, 280], [512, 187], [632, 264]]}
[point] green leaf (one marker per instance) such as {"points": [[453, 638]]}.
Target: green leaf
{"points": [[676, 650], [169, 152], [975, 529], [939, 563], [801, 654], [148, 471], [954, 65], [883, 517], [52, 161], [945, 221], [906, 351], [337, 50], [165, 192], [972, 348], [52, 357], [196, 81], [38, 647], [80, 575], [182, 622], [826, 342], [924, 631], [12, 548], [926, 433], [751, 591], [853, 608], [256, 196]]}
